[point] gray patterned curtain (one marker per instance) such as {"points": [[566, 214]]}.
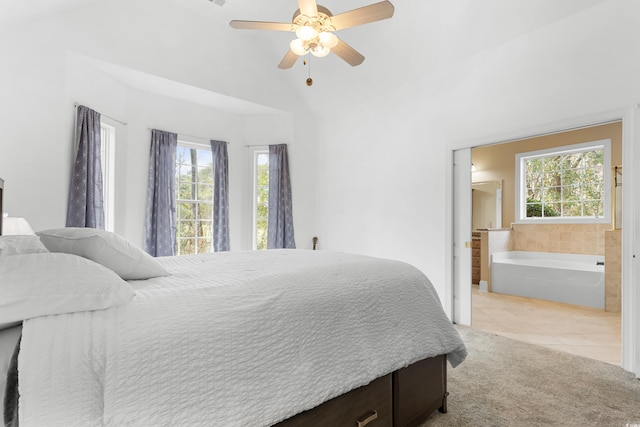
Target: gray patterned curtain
{"points": [[220, 196], [160, 225], [85, 207], [280, 232]]}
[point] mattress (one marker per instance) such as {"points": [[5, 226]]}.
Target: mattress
{"points": [[233, 339]]}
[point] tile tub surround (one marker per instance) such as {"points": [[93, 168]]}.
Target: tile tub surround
{"points": [[586, 239], [613, 271]]}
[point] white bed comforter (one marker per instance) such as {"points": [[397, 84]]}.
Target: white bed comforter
{"points": [[232, 339]]}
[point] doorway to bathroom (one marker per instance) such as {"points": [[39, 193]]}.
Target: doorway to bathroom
{"points": [[588, 330]]}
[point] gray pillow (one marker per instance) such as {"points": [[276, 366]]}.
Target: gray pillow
{"points": [[106, 248]]}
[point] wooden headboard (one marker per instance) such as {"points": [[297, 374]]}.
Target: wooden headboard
{"points": [[1, 210]]}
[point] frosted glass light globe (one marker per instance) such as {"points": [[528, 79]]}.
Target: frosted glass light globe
{"points": [[306, 32], [298, 47], [328, 39]]}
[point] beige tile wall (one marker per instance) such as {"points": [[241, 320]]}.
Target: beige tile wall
{"points": [[613, 271], [559, 238]]}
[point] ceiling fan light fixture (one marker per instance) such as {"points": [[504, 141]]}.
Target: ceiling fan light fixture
{"points": [[314, 26], [306, 32], [328, 39], [299, 47]]}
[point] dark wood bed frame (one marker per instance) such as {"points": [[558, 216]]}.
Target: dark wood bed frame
{"points": [[404, 398]]}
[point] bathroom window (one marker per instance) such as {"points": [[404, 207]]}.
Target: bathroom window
{"points": [[565, 184]]}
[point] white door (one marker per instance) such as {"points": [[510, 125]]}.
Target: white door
{"points": [[462, 236]]}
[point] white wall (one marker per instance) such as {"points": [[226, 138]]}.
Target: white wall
{"points": [[381, 186], [34, 126]]}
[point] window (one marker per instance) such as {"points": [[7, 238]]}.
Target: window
{"points": [[260, 198], [107, 152], [564, 184], [194, 199]]}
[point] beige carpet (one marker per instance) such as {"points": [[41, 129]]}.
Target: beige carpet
{"points": [[504, 382]]}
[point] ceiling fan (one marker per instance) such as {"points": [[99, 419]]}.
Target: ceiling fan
{"points": [[314, 26]]}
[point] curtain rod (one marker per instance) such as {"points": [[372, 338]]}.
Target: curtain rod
{"points": [[263, 145], [190, 136], [76, 105]]}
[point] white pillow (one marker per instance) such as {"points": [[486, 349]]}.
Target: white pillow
{"points": [[40, 284], [106, 248], [21, 244]]}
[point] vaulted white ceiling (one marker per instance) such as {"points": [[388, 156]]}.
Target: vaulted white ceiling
{"points": [[422, 37], [15, 11]]}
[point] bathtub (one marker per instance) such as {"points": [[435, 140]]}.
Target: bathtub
{"points": [[567, 278]]}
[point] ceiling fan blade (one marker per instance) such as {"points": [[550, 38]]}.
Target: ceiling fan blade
{"points": [[260, 25], [289, 59], [347, 53], [308, 7], [363, 15]]}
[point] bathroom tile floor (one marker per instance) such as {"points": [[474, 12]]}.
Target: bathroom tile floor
{"points": [[582, 331]]}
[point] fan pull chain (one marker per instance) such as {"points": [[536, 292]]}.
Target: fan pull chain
{"points": [[309, 79]]}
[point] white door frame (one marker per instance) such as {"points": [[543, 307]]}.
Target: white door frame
{"points": [[461, 235], [630, 117]]}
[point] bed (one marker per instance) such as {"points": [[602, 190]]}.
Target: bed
{"points": [[281, 337]]}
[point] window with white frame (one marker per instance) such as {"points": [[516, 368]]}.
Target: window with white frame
{"points": [[107, 154], [564, 184], [194, 199], [260, 198]]}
